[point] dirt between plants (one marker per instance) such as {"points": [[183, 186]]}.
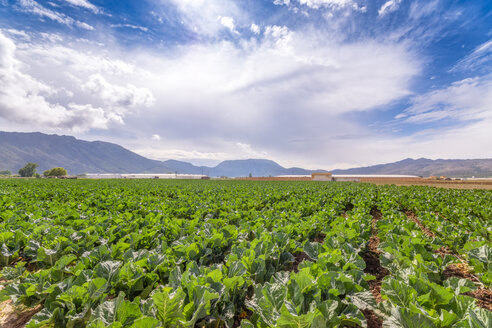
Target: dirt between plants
{"points": [[443, 251], [320, 238], [298, 258], [462, 270], [10, 317], [245, 314], [459, 270], [346, 209], [373, 321], [371, 257], [483, 297], [413, 217]]}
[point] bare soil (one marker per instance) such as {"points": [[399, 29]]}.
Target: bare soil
{"points": [[11, 317], [459, 270], [483, 297], [373, 321], [245, 314], [348, 207], [320, 238], [443, 251], [299, 257], [371, 257]]}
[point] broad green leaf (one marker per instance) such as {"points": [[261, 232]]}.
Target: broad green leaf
{"points": [[169, 305]]}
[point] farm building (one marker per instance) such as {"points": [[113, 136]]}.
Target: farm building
{"points": [[325, 176], [374, 177], [322, 176]]}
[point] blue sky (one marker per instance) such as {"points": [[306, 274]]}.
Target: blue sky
{"points": [[312, 83]]}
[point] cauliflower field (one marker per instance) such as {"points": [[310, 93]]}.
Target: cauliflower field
{"points": [[155, 253]]}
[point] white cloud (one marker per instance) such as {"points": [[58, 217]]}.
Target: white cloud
{"points": [[228, 22], [281, 2], [255, 29], [156, 137], [65, 88], [165, 153], [481, 57], [135, 27], [327, 3], [84, 26], [84, 4], [200, 16], [419, 9], [317, 4], [18, 34], [465, 100], [248, 151], [37, 9], [25, 99], [388, 7], [113, 95], [282, 93], [71, 60], [52, 37]]}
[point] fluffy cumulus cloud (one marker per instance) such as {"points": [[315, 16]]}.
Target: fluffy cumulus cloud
{"points": [[255, 28], [117, 96], [228, 22], [27, 98]]}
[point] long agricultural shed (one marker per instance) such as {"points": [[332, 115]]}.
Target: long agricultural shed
{"points": [[143, 176], [340, 177]]}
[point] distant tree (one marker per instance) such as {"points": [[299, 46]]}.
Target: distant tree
{"points": [[250, 175], [29, 170], [6, 172], [55, 172]]}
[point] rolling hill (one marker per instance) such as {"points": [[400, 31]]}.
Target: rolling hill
{"points": [[480, 168], [77, 156]]}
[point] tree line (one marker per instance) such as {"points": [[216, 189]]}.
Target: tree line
{"points": [[29, 171]]}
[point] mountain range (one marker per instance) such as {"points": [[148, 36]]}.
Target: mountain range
{"points": [[79, 156]]}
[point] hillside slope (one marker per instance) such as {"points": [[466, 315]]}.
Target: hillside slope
{"points": [[427, 167], [77, 156]]}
